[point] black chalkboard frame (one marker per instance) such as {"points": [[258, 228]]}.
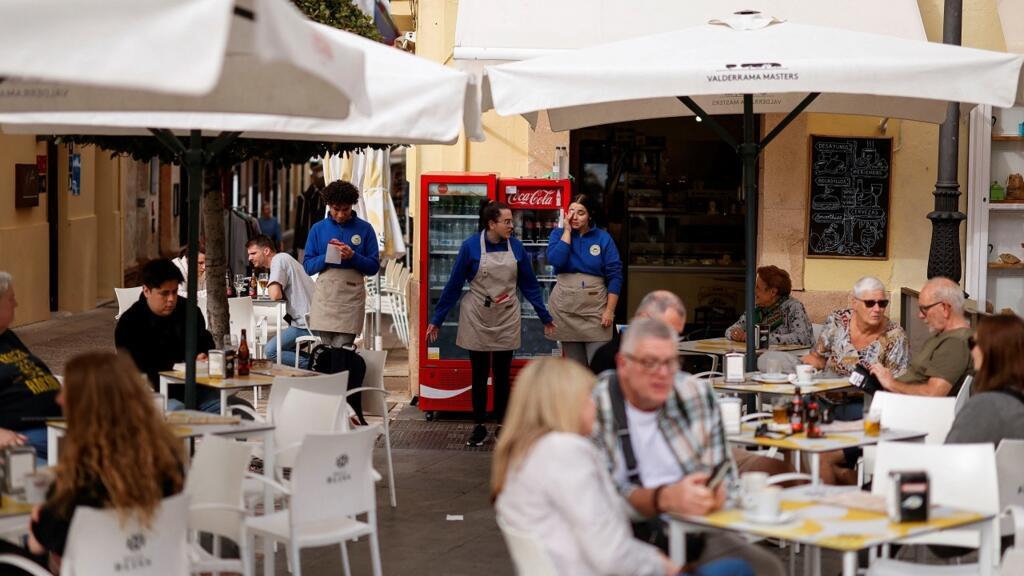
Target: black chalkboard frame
{"points": [[862, 142]]}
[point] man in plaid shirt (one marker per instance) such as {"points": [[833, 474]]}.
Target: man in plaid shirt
{"points": [[677, 438]]}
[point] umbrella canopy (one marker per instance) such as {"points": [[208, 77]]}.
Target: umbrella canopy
{"points": [[252, 56], [747, 61], [413, 101], [778, 62]]}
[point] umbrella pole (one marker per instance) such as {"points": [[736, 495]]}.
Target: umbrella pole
{"points": [[748, 151]]}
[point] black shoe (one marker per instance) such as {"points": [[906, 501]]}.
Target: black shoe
{"points": [[478, 436]]}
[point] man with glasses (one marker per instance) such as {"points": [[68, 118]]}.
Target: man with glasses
{"points": [[944, 361], [661, 434]]}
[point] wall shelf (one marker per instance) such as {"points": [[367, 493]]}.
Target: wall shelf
{"points": [[1007, 138]]}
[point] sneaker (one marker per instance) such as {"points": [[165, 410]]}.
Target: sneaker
{"points": [[478, 436]]}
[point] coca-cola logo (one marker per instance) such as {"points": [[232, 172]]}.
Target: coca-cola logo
{"points": [[442, 188], [539, 197]]}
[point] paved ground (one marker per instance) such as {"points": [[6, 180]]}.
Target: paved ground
{"points": [[444, 523]]}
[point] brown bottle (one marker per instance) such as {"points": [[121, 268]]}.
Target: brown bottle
{"points": [[243, 362], [814, 421], [796, 418]]}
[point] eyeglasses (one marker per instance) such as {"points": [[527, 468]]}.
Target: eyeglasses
{"points": [[883, 304], [924, 309], [653, 364], [971, 342]]}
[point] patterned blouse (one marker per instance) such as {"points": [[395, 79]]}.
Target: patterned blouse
{"points": [[787, 318], [889, 350]]}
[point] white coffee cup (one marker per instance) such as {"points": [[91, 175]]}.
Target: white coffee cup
{"points": [[769, 502], [805, 373], [752, 484], [730, 408]]}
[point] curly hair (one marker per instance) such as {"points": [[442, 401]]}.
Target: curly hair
{"points": [[777, 278], [490, 211], [116, 438], [340, 192]]}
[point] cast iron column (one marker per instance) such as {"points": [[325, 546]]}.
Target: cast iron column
{"points": [[944, 254]]}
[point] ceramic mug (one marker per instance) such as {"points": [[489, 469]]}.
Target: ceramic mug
{"points": [[769, 502], [752, 484], [805, 373], [730, 408]]}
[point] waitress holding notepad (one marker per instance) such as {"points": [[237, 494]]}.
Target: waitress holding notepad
{"points": [[589, 281], [496, 267], [342, 249]]}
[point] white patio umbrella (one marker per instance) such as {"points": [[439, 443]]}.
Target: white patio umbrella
{"points": [[256, 56], [749, 60]]}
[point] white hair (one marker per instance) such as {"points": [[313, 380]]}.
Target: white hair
{"points": [[867, 284], [945, 290], [5, 282], [656, 303], [643, 329]]}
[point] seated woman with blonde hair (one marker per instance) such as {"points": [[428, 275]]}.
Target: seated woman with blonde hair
{"points": [[118, 452], [548, 481]]}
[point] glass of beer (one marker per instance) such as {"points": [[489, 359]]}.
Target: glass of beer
{"points": [[872, 424], [780, 413], [262, 281]]}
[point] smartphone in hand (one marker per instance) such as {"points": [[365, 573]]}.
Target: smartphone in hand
{"points": [[718, 474]]}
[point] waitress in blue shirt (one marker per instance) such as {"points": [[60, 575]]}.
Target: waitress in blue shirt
{"points": [[589, 281], [342, 249], [495, 265]]}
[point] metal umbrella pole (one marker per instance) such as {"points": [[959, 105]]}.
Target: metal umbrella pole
{"points": [[194, 158], [748, 150]]}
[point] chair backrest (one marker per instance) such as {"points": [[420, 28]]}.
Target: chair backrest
{"points": [[528, 553], [962, 476], [919, 413], [126, 297], [242, 315], [322, 383], [303, 412], [964, 394], [333, 476], [218, 469], [1010, 464], [99, 545], [373, 403]]}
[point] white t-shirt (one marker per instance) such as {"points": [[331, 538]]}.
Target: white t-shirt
{"points": [[297, 286], [654, 457]]}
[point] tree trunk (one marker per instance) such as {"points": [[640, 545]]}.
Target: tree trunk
{"points": [[216, 253]]}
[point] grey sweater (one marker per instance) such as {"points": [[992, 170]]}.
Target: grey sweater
{"points": [[988, 417]]}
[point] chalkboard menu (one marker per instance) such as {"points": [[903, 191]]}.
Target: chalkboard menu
{"points": [[849, 205]]}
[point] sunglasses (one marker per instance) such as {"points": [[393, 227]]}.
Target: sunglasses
{"points": [[883, 304]]}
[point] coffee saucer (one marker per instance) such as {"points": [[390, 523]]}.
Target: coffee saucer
{"points": [[792, 380], [782, 518], [770, 378]]}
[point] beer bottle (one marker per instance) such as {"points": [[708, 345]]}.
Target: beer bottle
{"points": [[813, 420], [244, 361], [798, 416], [229, 285]]}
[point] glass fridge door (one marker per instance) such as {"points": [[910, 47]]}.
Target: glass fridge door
{"points": [[534, 228], [453, 214]]}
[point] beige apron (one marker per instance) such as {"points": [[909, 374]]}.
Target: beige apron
{"points": [[339, 302], [576, 305], [496, 327]]}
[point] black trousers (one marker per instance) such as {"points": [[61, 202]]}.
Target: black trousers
{"points": [[484, 363]]}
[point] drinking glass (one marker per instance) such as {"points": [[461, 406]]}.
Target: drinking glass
{"points": [[262, 279], [780, 413], [872, 424], [239, 284]]}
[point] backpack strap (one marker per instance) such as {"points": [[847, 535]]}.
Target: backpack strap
{"points": [[622, 429]]}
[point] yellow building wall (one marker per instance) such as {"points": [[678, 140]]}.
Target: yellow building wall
{"points": [[77, 235], [24, 235], [109, 224]]}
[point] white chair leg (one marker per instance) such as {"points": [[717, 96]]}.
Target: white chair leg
{"points": [[391, 464], [250, 555], [296, 559], [375, 553], [344, 558]]}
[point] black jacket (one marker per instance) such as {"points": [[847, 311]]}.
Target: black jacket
{"points": [[156, 343]]}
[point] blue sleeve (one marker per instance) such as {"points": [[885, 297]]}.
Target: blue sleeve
{"points": [[453, 289], [313, 260], [368, 263], [558, 251], [527, 282], [612, 266]]}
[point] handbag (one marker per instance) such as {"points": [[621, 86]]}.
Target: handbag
{"points": [[330, 360]]}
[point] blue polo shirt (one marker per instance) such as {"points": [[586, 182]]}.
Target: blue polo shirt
{"points": [[355, 232], [468, 262], [582, 257]]}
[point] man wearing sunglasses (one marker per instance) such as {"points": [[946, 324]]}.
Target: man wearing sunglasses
{"points": [[661, 433], [944, 361]]}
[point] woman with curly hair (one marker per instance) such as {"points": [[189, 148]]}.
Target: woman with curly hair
{"points": [[118, 452]]}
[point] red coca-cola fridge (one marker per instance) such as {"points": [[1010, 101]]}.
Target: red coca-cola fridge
{"points": [[537, 206], [449, 213]]}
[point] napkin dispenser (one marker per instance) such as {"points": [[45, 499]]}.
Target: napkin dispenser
{"points": [[18, 462], [734, 367], [909, 496]]}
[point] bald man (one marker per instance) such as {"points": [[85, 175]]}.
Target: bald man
{"points": [[944, 361]]}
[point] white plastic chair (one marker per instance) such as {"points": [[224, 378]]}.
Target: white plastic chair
{"points": [[963, 395], [98, 543], [398, 295], [1010, 466], [331, 484], [962, 476], [126, 297], [905, 412], [376, 404], [528, 553], [214, 485]]}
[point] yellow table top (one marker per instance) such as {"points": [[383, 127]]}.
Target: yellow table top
{"points": [[11, 507], [724, 346], [832, 526], [831, 441], [260, 377], [750, 386]]}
